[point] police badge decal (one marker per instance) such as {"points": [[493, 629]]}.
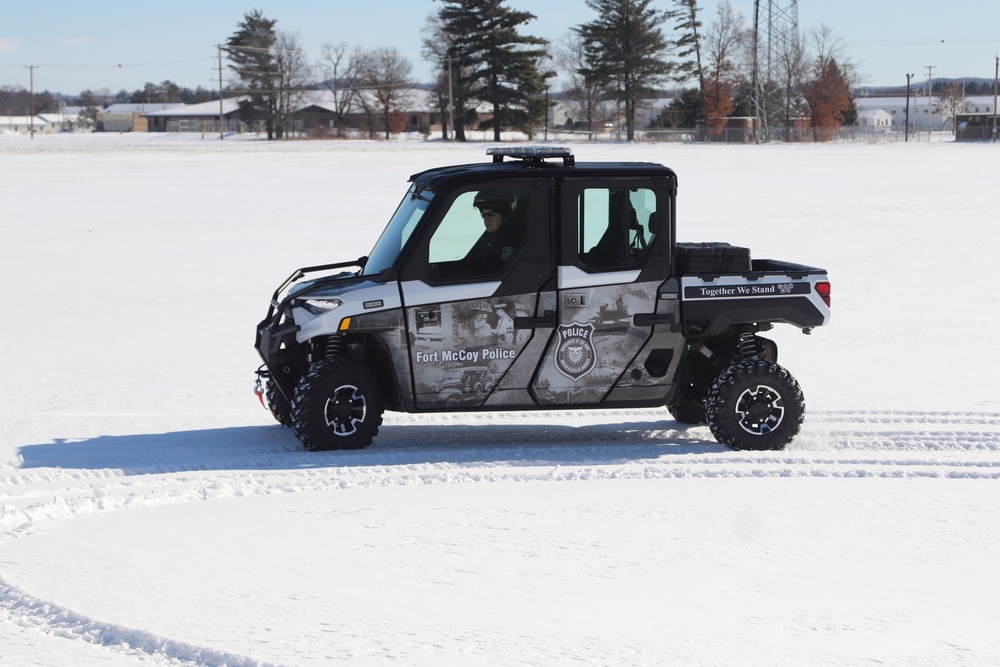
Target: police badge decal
{"points": [[575, 355]]}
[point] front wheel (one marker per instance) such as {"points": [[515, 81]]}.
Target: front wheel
{"points": [[337, 405], [278, 404], [755, 405]]}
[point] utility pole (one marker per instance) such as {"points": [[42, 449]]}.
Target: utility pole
{"points": [[222, 115], [451, 101], [906, 129], [547, 111], [930, 91], [996, 78], [31, 118]]}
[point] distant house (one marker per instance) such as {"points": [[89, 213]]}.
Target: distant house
{"points": [[66, 119], [24, 124], [878, 120]]}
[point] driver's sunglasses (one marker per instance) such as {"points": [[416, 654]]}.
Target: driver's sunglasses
{"points": [[488, 212]]}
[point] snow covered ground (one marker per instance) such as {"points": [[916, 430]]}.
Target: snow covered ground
{"points": [[152, 513]]}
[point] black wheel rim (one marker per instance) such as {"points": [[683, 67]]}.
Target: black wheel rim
{"points": [[760, 410], [345, 410]]}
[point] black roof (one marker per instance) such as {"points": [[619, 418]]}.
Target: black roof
{"points": [[537, 165]]}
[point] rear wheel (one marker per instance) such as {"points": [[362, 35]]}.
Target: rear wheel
{"points": [[337, 405], [687, 411], [755, 405]]}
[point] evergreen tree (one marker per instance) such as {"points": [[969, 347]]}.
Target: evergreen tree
{"points": [[626, 51], [271, 69], [689, 42], [684, 111], [491, 61]]}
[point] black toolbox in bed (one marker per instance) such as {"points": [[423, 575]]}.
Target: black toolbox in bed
{"points": [[712, 258]]}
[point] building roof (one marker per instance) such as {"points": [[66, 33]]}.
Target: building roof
{"points": [[17, 121], [202, 109], [141, 108], [870, 113], [889, 101], [413, 100]]}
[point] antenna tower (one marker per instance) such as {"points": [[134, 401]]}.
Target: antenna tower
{"points": [[775, 37]]}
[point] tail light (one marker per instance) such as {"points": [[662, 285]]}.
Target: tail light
{"points": [[824, 292]]}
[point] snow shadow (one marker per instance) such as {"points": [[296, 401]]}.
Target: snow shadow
{"points": [[275, 448]]}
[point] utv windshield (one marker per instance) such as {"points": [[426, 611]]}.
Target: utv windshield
{"points": [[399, 229]]}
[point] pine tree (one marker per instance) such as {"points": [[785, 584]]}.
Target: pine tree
{"points": [[491, 61], [249, 54], [689, 42], [626, 51]]}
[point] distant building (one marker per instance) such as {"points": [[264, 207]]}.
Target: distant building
{"points": [[128, 117], [201, 117], [314, 114], [24, 124], [924, 111], [875, 119], [976, 126]]}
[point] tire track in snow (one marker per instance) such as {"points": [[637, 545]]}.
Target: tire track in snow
{"points": [[26, 610], [414, 451]]}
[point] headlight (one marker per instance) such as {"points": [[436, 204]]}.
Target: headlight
{"points": [[320, 306]]}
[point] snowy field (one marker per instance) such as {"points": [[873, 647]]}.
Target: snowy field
{"points": [[152, 513]]}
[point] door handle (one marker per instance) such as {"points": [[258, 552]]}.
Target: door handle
{"points": [[649, 319], [546, 321]]}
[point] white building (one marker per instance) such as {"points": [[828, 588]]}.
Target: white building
{"points": [[924, 111], [875, 119], [24, 124]]}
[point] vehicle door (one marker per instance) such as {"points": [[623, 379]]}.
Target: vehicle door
{"points": [[614, 342], [475, 306]]}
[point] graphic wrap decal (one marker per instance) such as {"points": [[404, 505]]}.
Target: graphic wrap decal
{"points": [[575, 356], [712, 291], [595, 340], [460, 350]]}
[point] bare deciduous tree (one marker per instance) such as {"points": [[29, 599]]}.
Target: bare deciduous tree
{"points": [[722, 50], [951, 102], [587, 97], [341, 68], [389, 75], [793, 68], [294, 75]]}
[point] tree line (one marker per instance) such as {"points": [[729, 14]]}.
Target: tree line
{"points": [[492, 75]]}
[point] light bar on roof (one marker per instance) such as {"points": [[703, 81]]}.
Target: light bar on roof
{"points": [[532, 153]]}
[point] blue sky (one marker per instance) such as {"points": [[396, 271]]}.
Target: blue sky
{"points": [[122, 45]]}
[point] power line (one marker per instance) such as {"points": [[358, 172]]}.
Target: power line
{"points": [[124, 65]]}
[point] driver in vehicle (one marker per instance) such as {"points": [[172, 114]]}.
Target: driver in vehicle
{"points": [[502, 236]]}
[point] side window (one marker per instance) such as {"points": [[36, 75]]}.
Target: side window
{"points": [[458, 232], [616, 226], [480, 233]]}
